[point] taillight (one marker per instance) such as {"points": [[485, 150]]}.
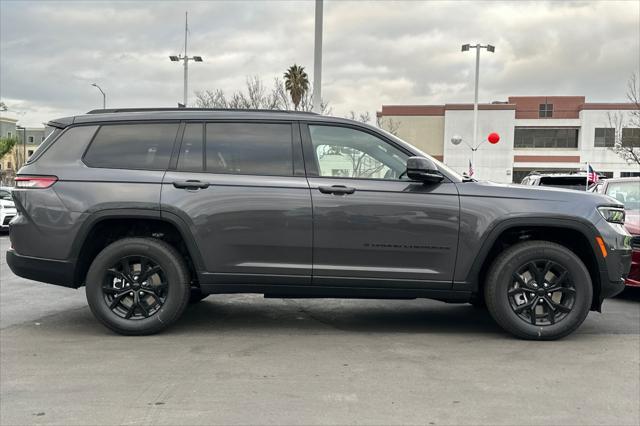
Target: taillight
{"points": [[35, 182]]}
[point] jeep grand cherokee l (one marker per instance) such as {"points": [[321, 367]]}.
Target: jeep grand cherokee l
{"points": [[152, 208]]}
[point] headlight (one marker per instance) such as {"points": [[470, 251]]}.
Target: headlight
{"points": [[612, 214]]}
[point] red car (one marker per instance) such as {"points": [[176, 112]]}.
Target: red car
{"points": [[627, 191]]}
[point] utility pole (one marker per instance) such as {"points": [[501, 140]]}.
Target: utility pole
{"points": [[186, 59], [465, 48], [317, 60]]}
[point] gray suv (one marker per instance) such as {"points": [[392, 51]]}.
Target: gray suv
{"points": [[150, 209]]}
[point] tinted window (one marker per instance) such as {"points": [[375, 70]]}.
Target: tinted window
{"points": [[249, 148], [545, 138], [132, 146], [345, 152], [604, 137], [69, 147], [190, 158]]}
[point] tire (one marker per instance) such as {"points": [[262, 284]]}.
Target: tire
{"points": [[505, 292], [196, 295], [168, 288]]}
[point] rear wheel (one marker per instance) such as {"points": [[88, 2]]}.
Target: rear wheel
{"points": [[538, 290], [138, 286]]}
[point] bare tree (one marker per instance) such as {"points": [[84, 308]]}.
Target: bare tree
{"points": [[389, 124], [257, 96], [625, 148], [363, 117]]}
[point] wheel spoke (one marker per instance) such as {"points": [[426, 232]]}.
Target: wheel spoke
{"points": [[117, 299], [521, 308], [144, 310], [149, 273], [560, 279], [545, 271], [519, 279], [558, 306], [535, 271], [117, 274], [550, 314], [517, 290], [532, 311], [566, 290]]}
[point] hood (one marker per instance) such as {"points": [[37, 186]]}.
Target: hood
{"points": [[7, 204], [547, 193], [632, 221]]}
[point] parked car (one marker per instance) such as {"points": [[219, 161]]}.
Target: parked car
{"points": [[7, 208], [150, 209], [576, 181], [627, 191]]}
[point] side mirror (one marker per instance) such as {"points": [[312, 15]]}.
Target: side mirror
{"points": [[423, 169]]}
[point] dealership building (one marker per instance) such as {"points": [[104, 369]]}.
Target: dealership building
{"points": [[537, 133]]}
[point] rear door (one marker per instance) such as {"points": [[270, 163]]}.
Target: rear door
{"points": [[241, 189]]}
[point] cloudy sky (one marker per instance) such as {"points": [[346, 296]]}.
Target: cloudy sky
{"points": [[375, 53]]}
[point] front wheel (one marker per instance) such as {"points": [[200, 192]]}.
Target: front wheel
{"points": [[138, 286], [538, 290]]}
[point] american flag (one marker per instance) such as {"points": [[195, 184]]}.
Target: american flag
{"points": [[592, 176], [470, 173]]}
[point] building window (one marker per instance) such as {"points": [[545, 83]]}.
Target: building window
{"points": [[8, 164], [546, 110], [30, 139], [604, 137], [545, 138], [629, 174], [8, 134], [631, 137]]}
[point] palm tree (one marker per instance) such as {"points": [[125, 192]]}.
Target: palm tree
{"points": [[296, 82]]}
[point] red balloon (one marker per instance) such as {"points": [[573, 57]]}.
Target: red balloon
{"points": [[493, 138]]}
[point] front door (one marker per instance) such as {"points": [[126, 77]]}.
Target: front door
{"points": [[240, 187], [373, 226]]}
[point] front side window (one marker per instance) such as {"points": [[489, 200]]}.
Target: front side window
{"points": [[249, 148], [132, 146], [604, 137], [345, 152]]}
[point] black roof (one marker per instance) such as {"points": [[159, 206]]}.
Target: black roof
{"points": [[113, 110]]}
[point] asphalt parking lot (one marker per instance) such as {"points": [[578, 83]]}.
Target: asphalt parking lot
{"points": [[249, 360]]}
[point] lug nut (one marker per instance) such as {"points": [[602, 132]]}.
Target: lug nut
{"points": [[142, 293], [131, 294]]}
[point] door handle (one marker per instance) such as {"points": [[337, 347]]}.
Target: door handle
{"points": [[190, 184], [336, 189]]}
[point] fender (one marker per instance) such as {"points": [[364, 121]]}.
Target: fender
{"points": [[95, 218], [491, 236]]}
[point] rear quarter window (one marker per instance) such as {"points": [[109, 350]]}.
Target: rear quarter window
{"points": [[132, 146]]}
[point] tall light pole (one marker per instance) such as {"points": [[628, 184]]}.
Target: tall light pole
{"points": [[317, 61], [104, 97], [466, 48], [24, 145], [186, 60]]}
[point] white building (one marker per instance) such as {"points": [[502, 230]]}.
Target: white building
{"points": [[552, 133]]}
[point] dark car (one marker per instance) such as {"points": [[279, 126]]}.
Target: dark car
{"points": [[150, 209], [627, 191], [576, 181]]}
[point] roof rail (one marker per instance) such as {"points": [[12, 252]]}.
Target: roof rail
{"points": [[113, 110]]}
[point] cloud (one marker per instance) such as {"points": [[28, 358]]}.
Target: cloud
{"points": [[374, 52]]}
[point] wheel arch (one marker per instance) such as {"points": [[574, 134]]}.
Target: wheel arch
{"points": [[577, 235], [131, 222]]}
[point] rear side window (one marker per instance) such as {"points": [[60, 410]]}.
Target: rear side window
{"points": [[68, 148], [249, 148], [132, 146], [190, 158]]}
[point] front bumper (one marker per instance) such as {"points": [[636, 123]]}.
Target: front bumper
{"points": [[614, 268], [49, 271]]}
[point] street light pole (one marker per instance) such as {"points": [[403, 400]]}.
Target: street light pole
{"points": [[317, 60], [465, 48], [104, 97], [24, 145], [186, 60]]}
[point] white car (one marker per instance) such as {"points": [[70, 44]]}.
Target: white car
{"points": [[7, 208]]}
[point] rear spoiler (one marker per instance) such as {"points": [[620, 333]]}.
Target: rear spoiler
{"points": [[61, 123]]}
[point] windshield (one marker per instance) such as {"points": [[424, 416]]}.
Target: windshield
{"points": [[628, 193], [567, 182], [441, 166]]}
